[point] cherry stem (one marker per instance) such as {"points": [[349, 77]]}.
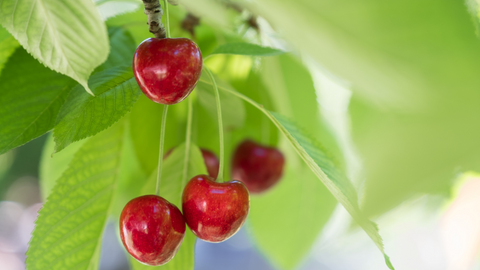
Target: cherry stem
{"points": [[188, 137], [154, 13], [265, 122], [167, 18], [255, 104], [160, 154], [220, 125]]}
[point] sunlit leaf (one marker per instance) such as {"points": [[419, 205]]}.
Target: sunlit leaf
{"points": [[30, 98], [66, 36], [69, 228], [83, 115]]}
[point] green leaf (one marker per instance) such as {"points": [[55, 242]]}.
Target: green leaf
{"points": [[303, 215], [233, 110], [30, 98], [66, 36], [321, 164], [8, 44], [122, 48], [171, 188], [246, 49], [52, 166], [335, 180], [69, 228], [84, 115]]}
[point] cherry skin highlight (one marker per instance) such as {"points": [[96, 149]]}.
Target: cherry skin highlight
{"points": [[258, 167], [215, 211], [152, 229], [167, 69], [210, 159]]}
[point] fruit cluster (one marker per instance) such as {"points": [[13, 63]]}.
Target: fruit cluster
{"points": [[151, 228]]}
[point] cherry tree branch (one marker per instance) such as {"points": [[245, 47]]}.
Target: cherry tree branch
{"points": [[154, 13]]}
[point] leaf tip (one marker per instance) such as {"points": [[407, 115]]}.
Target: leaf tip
{"points": [[388, 262], [85, 85]]}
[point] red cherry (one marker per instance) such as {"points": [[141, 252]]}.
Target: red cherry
{"points": [[214, 211], [258, 167], [210, 159], [152, 229], [167, 69]]}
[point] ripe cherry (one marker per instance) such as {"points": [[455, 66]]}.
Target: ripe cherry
{"points": [[167, 69], [214, 211], [151, 229], [210, 159], [258, 167]]}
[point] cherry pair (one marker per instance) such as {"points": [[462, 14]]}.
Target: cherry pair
{"points": [[152, 229]]}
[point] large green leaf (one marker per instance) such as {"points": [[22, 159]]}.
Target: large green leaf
{"points": [[84, 115], [171, 188], [66, 36], [30, 98], [52, 166], [69, 228], [326, 170], [233, 110], [414, 110], [7, 46], [246, 49], [302, 215]]}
